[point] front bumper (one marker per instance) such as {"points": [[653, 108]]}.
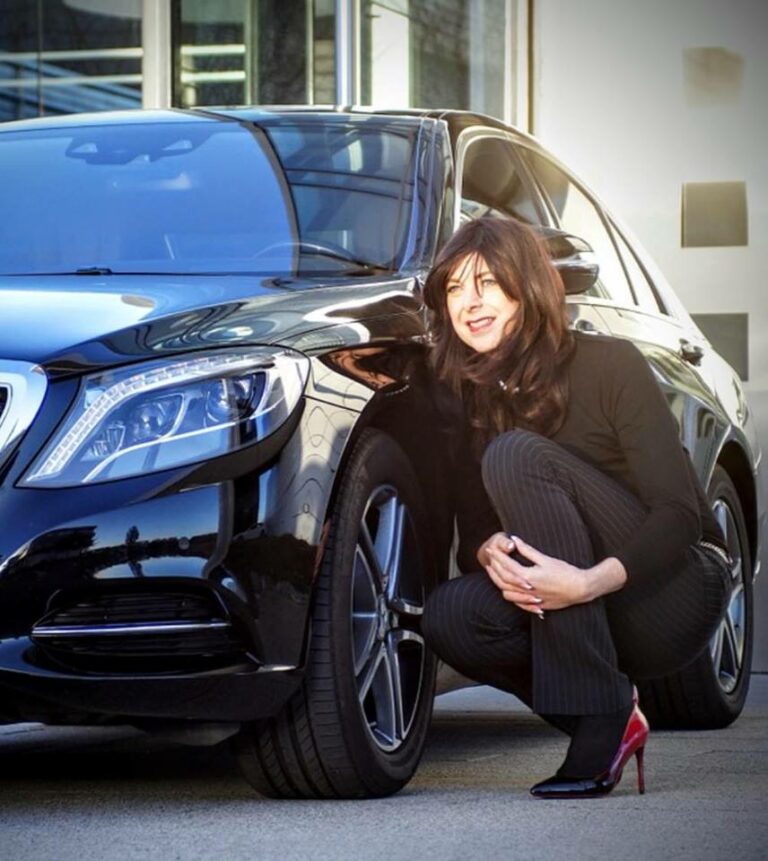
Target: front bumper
{"points": [[237, 693]]}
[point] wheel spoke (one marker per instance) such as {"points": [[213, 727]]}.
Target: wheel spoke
{"points": [[730, 643], [737, 572], [368, 548], [369, 671], [364, 610], [392, 544], [396, 600], [721, 516], [716, 647], [396, 685], [378, 699], [734, 632]]}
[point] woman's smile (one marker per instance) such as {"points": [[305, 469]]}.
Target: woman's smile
{"points": [[480, 324]]}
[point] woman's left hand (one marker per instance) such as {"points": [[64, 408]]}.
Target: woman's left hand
{"points": [[556, 583]]}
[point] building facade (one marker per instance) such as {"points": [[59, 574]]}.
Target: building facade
{"points": [[59, 56]]}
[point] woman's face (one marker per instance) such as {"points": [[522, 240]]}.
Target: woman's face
{"points": [[480, 311]]}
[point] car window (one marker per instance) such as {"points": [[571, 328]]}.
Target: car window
{"points": [[577, 214], [642, 287], [492, 183], [205, 197]]}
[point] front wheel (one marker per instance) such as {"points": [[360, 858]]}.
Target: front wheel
{"points": [[357, 726], [710, 692]]}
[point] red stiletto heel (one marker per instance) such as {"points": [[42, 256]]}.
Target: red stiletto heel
{"points": [[639, 753], [632, 744]]}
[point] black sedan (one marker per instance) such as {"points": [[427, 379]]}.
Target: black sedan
{"points": [[222, 494]]}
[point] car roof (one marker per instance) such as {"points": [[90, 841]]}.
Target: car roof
{"points": [[456, 120]]}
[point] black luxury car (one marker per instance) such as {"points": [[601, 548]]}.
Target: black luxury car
{"points": [[217, 475]]}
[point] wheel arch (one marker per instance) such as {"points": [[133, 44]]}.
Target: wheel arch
{"points": [[391, 413]]}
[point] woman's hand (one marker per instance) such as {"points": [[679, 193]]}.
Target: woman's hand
{"points": [[499, 540], [493, 555], [549, 583]]}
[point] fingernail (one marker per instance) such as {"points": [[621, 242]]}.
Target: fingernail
{"points": [[528, 586], [540, 614], [539, 601]]}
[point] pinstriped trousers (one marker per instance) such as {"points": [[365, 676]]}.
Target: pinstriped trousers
{"points": [[578, 660]]}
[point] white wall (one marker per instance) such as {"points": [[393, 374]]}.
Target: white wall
{"points": [[610, 98]]}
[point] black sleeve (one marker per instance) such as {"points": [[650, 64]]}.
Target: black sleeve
{"points": [[656, 460]]}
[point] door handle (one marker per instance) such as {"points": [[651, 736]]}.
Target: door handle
{"points": [[587, 326], [691, 353]]}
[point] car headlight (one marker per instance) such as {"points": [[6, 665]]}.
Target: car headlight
{"points": [[163, 414]]}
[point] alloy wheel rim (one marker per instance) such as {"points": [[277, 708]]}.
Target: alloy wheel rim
{"points": [[727, 644], [387, 600]]}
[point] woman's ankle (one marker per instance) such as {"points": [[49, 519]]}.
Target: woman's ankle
{"points": [[594, 743]]}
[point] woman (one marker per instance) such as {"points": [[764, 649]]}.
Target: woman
{"points": [[610, 566]]}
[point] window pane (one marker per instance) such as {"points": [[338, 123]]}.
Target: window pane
{"points": [[578, 215], [644, 292], [492, 183], [434, 54], [235, 52], [89, 57]]}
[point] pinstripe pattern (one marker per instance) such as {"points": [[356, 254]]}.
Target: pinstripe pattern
{"points": [[575, 661]]}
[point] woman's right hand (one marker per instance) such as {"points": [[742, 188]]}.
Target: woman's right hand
{"points": [[493, 555]]}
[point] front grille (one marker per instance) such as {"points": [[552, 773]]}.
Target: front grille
{"points": [[147, 632]]}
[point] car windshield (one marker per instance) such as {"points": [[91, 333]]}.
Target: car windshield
{"points": [[204, 196]]}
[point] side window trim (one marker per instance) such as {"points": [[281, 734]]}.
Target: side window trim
{"points": [[476, 133], [662, 308]]}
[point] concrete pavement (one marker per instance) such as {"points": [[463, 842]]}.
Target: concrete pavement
{"points": [[102, 794]]}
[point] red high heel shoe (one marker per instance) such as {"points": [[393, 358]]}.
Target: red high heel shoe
{"points": [[632, 743]]}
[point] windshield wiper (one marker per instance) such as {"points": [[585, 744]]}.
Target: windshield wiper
{"points": [[94, 270]]}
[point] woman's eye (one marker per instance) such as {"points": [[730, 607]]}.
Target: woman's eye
{"points": [[489, 282], [453, 288]]}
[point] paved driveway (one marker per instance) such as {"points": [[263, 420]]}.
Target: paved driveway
{"points": [[103, 794]]}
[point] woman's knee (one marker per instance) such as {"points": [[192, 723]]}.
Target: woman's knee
{"points": [[512, 455]]}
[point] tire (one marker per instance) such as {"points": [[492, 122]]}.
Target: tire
{"points": [[357, 726], [710, 692]]}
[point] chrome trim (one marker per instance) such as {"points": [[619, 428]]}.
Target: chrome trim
{"points": [[26, 385], [120, 630]]}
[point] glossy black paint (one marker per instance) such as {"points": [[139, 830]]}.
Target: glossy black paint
{"points": [[249, 528]]}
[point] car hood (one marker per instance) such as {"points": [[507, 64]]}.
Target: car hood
{"points": [[72, 323]]}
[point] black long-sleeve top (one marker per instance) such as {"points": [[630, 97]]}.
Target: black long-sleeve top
{"points": [[619, 421]]}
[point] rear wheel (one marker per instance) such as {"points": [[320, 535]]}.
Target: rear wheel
{"points": [[357, 727], [710, 692]]}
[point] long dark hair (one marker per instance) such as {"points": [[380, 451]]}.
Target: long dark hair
{"points": [[521, 382]]}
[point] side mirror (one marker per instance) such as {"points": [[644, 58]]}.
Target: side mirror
{"points": [[578, 276], [565, 249]]}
